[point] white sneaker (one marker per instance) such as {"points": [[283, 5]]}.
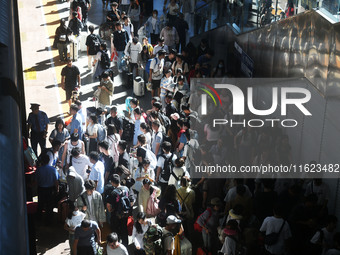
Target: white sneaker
{"points": [[120, 71]]}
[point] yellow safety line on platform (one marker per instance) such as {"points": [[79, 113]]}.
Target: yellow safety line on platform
{"points": [[52, 22], [30, 74]]}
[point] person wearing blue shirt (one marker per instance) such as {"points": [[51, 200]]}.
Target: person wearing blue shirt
{"points": [[76, 123], [97, 171], [47, 179], [38, 124], [138, 120]]}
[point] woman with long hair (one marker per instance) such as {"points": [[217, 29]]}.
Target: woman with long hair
{"points": [[113, 139], [91, 133], [139, 228]]}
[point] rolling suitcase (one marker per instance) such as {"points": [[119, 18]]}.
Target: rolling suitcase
{"points": [[74, 50], [138, 86]]}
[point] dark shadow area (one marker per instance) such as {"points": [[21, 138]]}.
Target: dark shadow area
{"points": [[45, 234], [46, 64], [55, 22], [50, 3], [50, 86], [45, 49], [54, 118]]}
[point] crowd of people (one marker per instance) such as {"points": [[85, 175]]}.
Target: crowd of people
{"points": [[135, 172]]}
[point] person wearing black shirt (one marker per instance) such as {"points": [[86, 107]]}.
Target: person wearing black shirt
{"points": [[124, 158], [115, 120], [169, 108], [70, 79], [169, 60], [106, 158], [61, 37], [182, 27], [114, 15], [120, 40]]}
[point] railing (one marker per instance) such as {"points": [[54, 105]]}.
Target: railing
{"points": [[245, 15]]}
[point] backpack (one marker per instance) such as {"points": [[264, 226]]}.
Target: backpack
{"points": [[129, 129], [104, 60], [167, 168], [198, 227], [94, 44], [182, 67], [101, 133], [147, 66], [165, 137], [273, 238], [123, 204], [152, 208], [154, 240], [165, 120]]}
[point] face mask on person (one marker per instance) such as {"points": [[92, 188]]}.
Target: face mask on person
{"points": [[220, 66], [155, 15]]}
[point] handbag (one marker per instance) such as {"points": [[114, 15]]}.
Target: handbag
{"points": [[152, 208], [97, 92], [272, 238]]}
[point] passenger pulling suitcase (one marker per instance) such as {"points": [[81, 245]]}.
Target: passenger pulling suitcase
{"points": [[74, 50], [138, 86]]}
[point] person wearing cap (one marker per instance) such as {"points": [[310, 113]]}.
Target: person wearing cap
{"points": [[160, 46], [153, 27], [76, 123], [132, 51], [70, 79], [167, 85], [74, 142], [119, 41], [169, 232], [75, 184], [209, 221], [156, 72], [107, 88], [38, 125], [170, 35]]}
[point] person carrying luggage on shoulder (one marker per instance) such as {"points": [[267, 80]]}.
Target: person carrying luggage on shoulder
{"points": [[75, 24]]}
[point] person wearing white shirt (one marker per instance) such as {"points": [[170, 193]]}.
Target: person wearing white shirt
{"points": [[156, 72], [320, 189], [82, 112], [114, 247], [166, 147], [72, 221], [128, 28], [138, 120], [139, 229], [276, 224], [324, 237], [97, 172], [80, 162], [132, 51], [231, 194]]}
